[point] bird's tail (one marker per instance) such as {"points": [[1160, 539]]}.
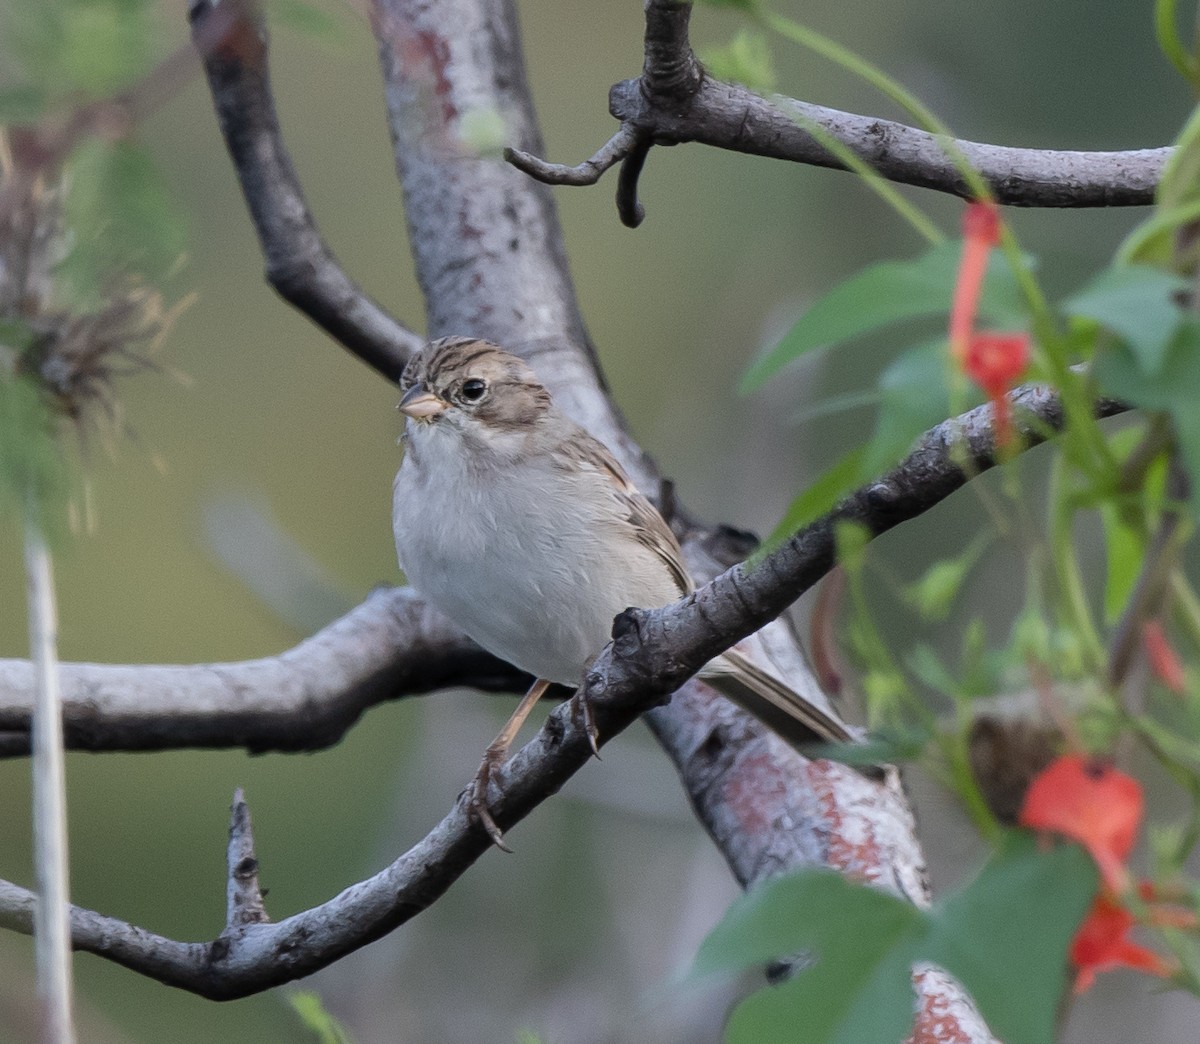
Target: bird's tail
{"points": [[780, 708]]}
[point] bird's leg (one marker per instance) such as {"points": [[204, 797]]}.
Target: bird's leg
{"points": [[494, 757]]}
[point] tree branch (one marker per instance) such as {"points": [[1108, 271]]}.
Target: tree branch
{"points": [[252, 955], [674, 102], [728, 116], [232, 40], [392, 645]]}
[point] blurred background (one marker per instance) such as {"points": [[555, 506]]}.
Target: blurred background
{"points": [[280, 439]]}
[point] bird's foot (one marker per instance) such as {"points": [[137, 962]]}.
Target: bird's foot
{"points": [[582, 714], [477, 796]]}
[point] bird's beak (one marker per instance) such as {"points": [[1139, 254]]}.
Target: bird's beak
{"points": [[421, 404]]}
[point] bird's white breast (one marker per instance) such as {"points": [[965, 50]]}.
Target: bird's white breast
{"points": [[533, 561]]}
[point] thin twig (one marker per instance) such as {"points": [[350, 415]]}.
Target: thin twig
{"points": [[52, 930], [629, 207], [244, 898], [588, 172]]}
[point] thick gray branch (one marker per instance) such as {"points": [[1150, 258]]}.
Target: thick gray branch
{"points": [[252, 955], [392, 645]]}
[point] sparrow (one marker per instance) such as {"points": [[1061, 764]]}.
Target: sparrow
{"points": [[524, 530]]}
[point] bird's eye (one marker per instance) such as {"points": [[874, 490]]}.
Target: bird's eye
{"points": [[473, 389]]}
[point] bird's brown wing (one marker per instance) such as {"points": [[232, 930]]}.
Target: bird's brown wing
{"points": [[777, 705], [649, 527]]}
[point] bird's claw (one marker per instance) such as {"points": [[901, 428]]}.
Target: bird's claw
{"points": [[581, 707], [477, 792]]}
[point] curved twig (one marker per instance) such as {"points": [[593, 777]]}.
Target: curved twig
{"points": [[299, 265], [588, 172], [629, 207]]}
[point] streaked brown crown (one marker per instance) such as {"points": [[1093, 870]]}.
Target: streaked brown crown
{"points": [[513, 396]]}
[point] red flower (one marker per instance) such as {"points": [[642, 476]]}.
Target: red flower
{"points": [[981, 232], [995, 361], [1090, 802], [1102, 944], [1163, 659]]}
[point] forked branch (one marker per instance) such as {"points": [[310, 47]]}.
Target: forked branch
{"points": [[675, 102]]}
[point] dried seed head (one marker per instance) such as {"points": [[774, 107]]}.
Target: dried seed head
{"points": [[73, 356]]}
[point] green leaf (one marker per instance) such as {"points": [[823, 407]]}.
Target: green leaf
{"points": [[311, 1011], [1137, 303], [883, 746], [925, 663], [835, 404], [850, 538], [1166, 29], [1031, 637], [105, 45], [1174, 388], [887, 293], [1124, 546], [976, 671], [1181, 175], [746, 59], [859, 988], [914, 397], [1004, 937], [934, 594], [1153, 241], [121, 216]]}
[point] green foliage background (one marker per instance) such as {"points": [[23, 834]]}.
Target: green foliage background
{"points": [[734, 247]]}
